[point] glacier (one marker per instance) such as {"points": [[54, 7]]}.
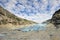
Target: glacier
{"points": [[36, 27], [35, 10]]}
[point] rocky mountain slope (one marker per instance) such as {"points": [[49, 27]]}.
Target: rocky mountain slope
{"points": [[53, 26], [55, 20], [8, 19]]}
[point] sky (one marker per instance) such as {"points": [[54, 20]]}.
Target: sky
{"points": [[35, 10]]}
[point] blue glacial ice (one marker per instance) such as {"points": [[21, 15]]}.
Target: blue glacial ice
{"points": [[35, 27]]}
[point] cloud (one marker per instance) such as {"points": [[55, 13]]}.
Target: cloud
{"points": [[35, 10]]}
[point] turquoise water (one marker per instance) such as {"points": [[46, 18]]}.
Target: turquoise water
{"points": [[35, 27]]}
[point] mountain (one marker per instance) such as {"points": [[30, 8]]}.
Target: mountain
{"points": [[10, 20], [53, 26], [55, 20]]}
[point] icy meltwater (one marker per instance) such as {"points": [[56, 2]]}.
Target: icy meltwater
{"points": [[35, 27]]}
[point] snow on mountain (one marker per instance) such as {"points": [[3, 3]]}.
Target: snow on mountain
{"points": [[35, 10]]}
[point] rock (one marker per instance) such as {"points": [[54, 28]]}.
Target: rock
{"points": [[56, 19]]}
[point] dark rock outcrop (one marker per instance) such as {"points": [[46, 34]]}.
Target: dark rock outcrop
{"points": [[56, 19]]}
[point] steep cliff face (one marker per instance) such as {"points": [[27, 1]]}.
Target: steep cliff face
{"points": [[56, 19], [7, 18]]}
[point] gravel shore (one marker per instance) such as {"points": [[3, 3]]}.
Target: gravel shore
{"points": [[51, 33]]}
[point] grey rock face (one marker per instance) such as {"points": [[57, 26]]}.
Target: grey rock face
{"points": [[56, 19]]}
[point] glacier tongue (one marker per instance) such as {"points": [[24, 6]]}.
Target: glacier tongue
{"points": [[35, 27]]}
